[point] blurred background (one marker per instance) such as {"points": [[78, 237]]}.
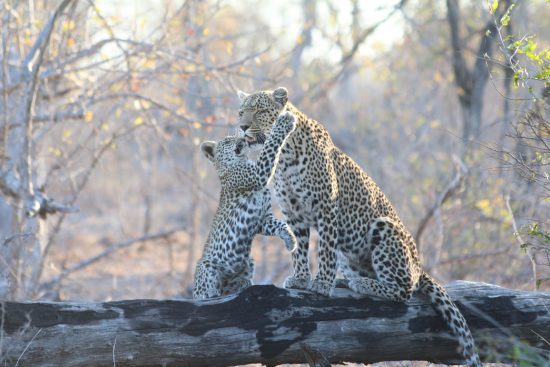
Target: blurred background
{"points": [[104, 194]]}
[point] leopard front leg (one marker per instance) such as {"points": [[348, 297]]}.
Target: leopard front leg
{"points": [[328, 233], [207, 281], [300, 261], [276, 227]]}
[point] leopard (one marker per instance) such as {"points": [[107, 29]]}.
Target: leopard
{"points": [[244, 210], [360, 234]]}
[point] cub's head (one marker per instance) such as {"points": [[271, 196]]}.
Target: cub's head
{"points": [[225, 153], [259, 111]]}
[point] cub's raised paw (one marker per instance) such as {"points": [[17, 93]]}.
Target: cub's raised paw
{"points": [[296, 282], [321, 287], [287, 121], [290, 241]]}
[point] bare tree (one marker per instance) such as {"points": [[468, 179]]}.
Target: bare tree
{"points": [[470, 82], [26, 202], [80, 87]]}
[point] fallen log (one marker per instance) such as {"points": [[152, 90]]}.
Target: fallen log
{"points": [[269, 325]]}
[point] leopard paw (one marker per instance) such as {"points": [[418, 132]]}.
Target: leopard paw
{"points": [[290, 242], [287, 121], [321, 286], [294, 282], [237, 286]]}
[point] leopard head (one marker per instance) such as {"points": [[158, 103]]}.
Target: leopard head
{"points": [[225, 153], [259, 111]]}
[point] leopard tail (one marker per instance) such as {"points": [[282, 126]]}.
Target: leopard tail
{"points": [[452, 316]]}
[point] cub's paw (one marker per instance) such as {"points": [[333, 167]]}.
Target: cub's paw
{"points": [[290, 241], [296, 282], [199, 296], [206, 294], [321, 286], [287, 121], [237, 286]]}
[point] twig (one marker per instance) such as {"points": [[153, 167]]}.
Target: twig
{"points": [[31, 64], [110, 250], [475, 255], [114, 347], [9, 183], [521, 243], [316, 91], [3, 311], [81, 186], [446, 194], [27, 347], [314, 357], [41, 205], [9, 239]]}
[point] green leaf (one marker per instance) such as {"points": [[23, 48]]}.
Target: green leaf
{"points": [[515, 80], [494, 6], [505, 19]]}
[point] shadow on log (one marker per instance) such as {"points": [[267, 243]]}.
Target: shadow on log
{"points": [[266, 324]]}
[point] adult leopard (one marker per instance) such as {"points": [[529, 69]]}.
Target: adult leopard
{"points": [[319, 186]]}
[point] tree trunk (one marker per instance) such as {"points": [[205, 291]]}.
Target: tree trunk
{"points": [[20, 246], [269, 325], [470, 82]]}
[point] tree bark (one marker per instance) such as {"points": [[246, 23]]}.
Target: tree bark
{"points": [[269, 325], [470, 83], [21, 256]]}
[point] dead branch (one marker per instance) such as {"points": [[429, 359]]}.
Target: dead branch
{"points": [[109, 251], [446, 194], [270, 325]]}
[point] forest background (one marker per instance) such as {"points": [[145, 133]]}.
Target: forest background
{"points": [[104, 194]]}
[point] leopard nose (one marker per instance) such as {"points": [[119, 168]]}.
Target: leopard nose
{"points": [[244, 127]]}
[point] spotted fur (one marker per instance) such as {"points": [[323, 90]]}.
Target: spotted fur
{"points": [[244, 210], [319, 186]]}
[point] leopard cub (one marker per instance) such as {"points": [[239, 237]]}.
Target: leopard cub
{"points": [[244, 210]]}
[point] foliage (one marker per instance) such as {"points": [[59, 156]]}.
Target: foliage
{"points": [[526, 356], [539, 59], [531, 158]]}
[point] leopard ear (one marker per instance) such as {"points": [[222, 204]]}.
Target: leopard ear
{"points": [[207, 149], [280, 95], [242, 95]]}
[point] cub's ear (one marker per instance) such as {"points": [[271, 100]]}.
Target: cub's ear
{"points": [[207, 149], [280, 95], [242, 95]]}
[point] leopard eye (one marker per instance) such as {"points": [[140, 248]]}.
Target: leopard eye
{"points": [[241, 113]]}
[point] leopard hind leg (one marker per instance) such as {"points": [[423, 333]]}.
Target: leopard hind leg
{"points": [[241, 281], [395, 271], [208, 282]]}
